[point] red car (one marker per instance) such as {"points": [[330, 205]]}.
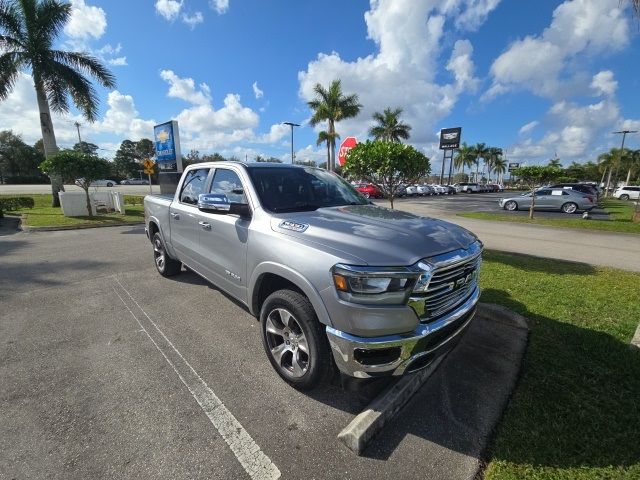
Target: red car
{"points": [[369, 190]]}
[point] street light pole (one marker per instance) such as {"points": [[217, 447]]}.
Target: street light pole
{"points": [[291, 124]]}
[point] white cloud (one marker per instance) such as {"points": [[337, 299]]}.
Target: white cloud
{"points": [[122, 118], [220, 6], [169, 9], [603, 83], [529, 126], [475, 12], [276, 132], [404, 71], [193, 20], [86, 21], [184, 89], [118, 61], [256, 91], [541, 63]]}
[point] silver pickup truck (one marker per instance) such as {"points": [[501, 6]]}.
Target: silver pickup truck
{"points": [[333, 279]]}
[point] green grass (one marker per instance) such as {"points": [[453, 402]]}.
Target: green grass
{"points": [[44, 215], [620, 214], [575, 413]]}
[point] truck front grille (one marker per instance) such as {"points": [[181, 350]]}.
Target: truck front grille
{"points": [[451, 284]]}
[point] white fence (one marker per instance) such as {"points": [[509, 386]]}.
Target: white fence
{"points": [[74, 204]]}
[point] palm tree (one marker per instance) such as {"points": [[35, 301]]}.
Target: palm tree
{"points": [[326, 137], [464, 157], [500, 167], [332, 105], [480, 150], [555, 162], [494, 154], [28, 30], [389, 127], [609, 161]]}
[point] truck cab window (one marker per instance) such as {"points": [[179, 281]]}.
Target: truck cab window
{"points": [[226, 182], [193, 185]]}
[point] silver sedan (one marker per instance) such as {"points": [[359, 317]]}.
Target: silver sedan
{"points": [[567, 201]]}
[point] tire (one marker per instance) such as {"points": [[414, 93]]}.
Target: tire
{"points": [[166, 266], [287, 322], [569, 207], [511, 206], [109, 184], [624, 197], [366, 194]]}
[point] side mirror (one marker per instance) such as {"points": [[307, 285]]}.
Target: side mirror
{"points": [[210, 202]]}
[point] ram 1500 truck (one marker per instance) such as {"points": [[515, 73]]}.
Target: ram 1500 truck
{"points": [[333, 279]]}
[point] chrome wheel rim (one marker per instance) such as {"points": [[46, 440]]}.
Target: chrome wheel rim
{"points": [[511, 206], [158, 254], [287, 342], [570, 208]]}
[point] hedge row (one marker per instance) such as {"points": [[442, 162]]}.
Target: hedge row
{"points": [[134, 199], [11, 204]]}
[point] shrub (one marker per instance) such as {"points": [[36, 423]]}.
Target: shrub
{"points": [[11, 204], [134, 199]]}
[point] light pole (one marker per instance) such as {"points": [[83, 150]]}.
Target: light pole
{"points": [[291, 124]]}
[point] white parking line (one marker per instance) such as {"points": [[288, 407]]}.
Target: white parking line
{"points": [[246, 450]]}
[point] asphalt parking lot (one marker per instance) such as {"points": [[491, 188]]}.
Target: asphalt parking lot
{"points": [[111, 371]]}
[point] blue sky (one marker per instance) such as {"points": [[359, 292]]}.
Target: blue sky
{"points": [[535, 78]]}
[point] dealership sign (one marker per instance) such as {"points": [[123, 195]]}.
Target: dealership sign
{"points": [[513, 166], [167, 143], [450, 138], [345, 147]]}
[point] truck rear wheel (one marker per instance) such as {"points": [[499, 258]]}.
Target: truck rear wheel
{"points": [[295, 341], [166, 266]]}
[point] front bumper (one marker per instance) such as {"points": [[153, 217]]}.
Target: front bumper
{"points": [[365, 357]]}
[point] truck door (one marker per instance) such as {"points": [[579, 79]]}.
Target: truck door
{"points": [[223, 237], [183, 216]]}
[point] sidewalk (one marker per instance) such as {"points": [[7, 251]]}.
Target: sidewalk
{"points": [[604, 249]]}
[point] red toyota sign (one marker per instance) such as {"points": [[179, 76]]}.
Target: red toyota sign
{"points": [[347, 144]]}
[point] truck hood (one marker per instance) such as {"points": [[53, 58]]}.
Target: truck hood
{"points": [[379, 236]]}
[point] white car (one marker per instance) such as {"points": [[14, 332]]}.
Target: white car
{"points": [[412, 190], [425, 190], [439, 189], [98, 183], [627, 193]]}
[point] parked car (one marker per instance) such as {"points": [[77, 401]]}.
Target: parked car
{"points": [[411, 190], [425, 190], [580, 187], [561, 199], [325, 272], [100, 183], [627, 193], [369, 190], [134, 181], [451, 190], [439, 189], [469, 187]]}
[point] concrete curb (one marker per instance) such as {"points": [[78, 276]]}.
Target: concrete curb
{"points": [[27, 228], [366, 425], [635, 341]]}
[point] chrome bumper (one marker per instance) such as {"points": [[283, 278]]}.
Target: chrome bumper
{"points": [[365, 357]]}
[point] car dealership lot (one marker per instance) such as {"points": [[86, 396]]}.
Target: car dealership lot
{"points": [[110, 370]]}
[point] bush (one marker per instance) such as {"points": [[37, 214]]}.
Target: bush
{"points": [[11, 204], [134, 199], [26, 180]]}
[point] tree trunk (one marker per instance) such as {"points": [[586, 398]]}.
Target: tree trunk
{"points": [[391, 197], [48, 140], [332, 153], [328, 154], [606, 190], [533, 204], [86, 192], [628, 177]]}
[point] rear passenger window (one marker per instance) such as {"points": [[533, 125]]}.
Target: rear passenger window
{"points": [[226, 182], [193, 185]]}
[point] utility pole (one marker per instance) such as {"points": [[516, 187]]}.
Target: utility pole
{"points": [[77, 124], [624, 136], [291, 124]]}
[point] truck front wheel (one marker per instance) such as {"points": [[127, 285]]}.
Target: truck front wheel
{"points": [[295, 341], [165, 265]]}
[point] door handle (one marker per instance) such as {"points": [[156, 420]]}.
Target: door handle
{"points": [[175, 215], [205, 225]]}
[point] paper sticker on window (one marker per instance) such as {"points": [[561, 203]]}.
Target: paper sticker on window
{"points": [[556, 192]]}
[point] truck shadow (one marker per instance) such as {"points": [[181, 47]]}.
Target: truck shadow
{"points": [[575, 404]]}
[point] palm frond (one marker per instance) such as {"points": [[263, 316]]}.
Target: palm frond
{"points": [[87, 64], [10, 19], [60, 80], [51, 18], [9, 68]]}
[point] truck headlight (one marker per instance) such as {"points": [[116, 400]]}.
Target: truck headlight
{"points": [[374, 285]]}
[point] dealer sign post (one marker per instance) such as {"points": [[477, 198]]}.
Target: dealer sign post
{"points": [[449, 141]]}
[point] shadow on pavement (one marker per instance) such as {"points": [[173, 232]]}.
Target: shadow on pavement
{"points": [[9, 225]]}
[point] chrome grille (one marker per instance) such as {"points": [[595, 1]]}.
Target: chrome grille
{"points": [[452, 282]]}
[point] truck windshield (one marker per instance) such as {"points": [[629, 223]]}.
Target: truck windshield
{"points": [[302, 189]]}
